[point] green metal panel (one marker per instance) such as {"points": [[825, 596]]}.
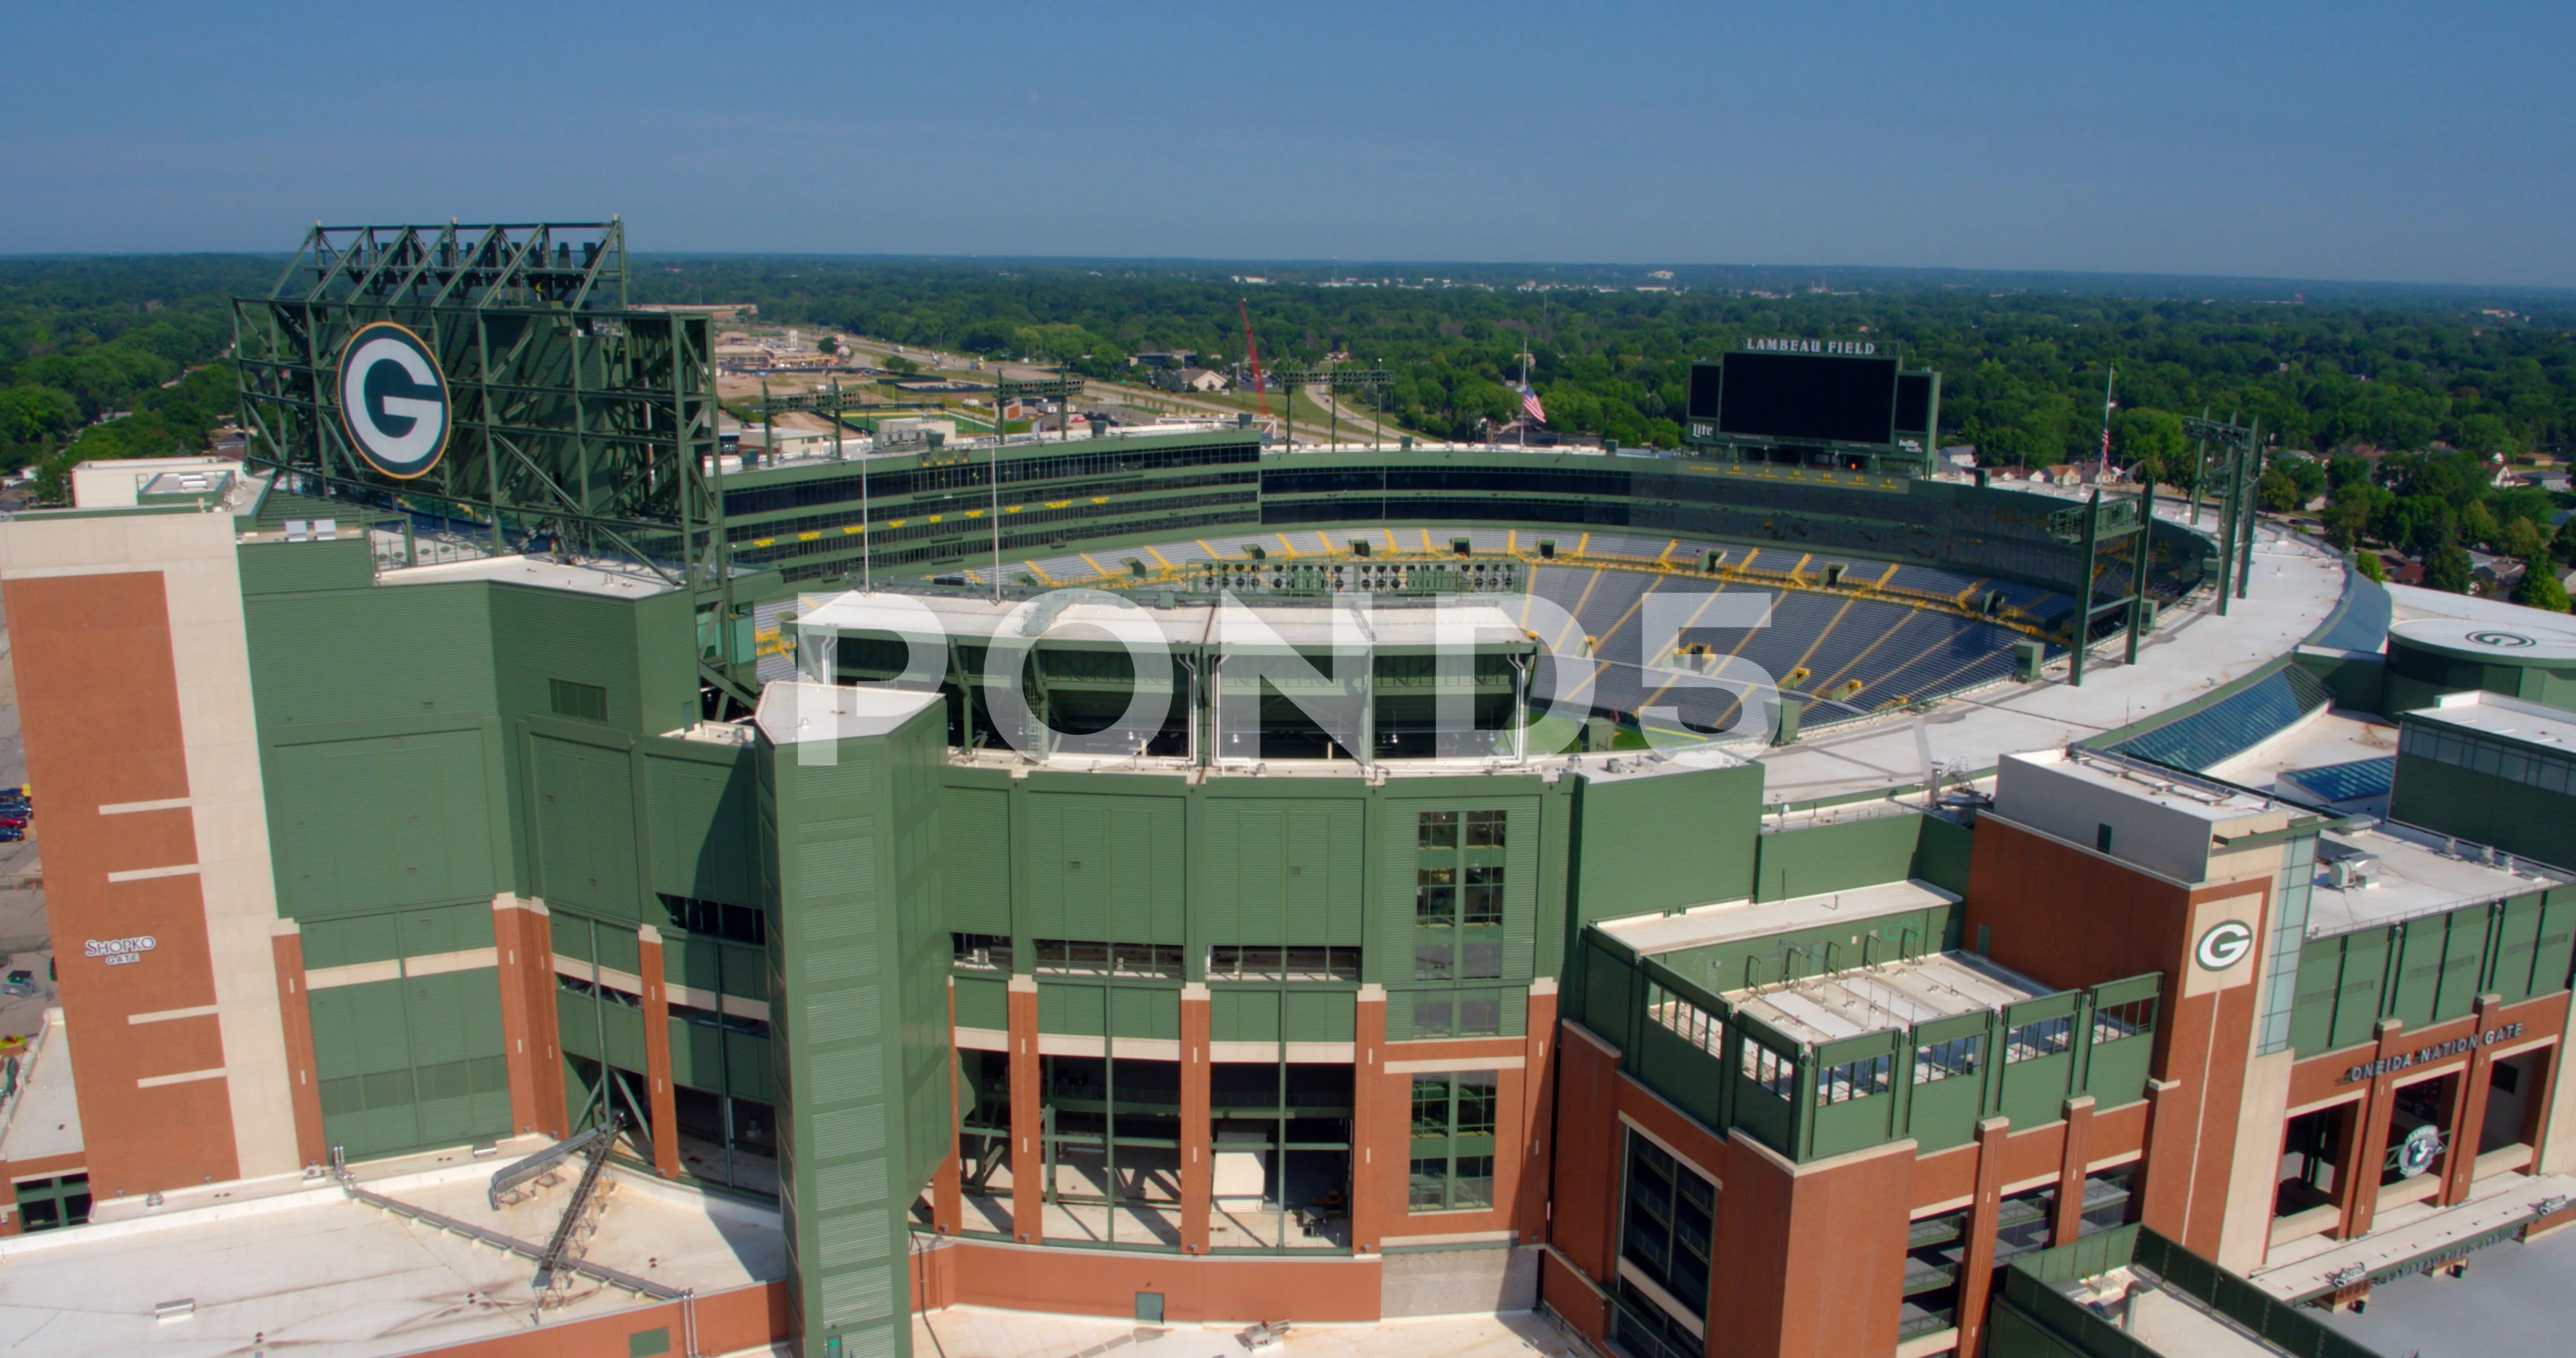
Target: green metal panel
{"points": [[1142, 1013], [2361, 998], [362, 825], [541, 635], [749, 1059], [2554, 955], [701, 828], [2312, 1008], [585, 824], [983, 1002], [380, 661], [298, 567], [618, 946], [346, 942], [851, 849], [1840, 857], [1072, 1008], [1943, 1113], [977, 820], [2517, 938], [1677, 839], [2484, 809], [697, 963], [2464, 956], [1317, 1016], [2035, 1090], [1834, 1128], [746, 972], [570, 936], [697, 1055], [2418, 970], [623, 1028], [1941, 854], [1239, 1014]]}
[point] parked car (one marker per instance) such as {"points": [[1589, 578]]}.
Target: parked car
{"points": [[8, 836], [20, 982]]}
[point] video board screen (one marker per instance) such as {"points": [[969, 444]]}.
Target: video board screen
{"points": [[1705, 382], [1809, 396], [1913, 403]]}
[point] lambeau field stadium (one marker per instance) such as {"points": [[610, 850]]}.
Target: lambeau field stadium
{"points": [[531, 874]]}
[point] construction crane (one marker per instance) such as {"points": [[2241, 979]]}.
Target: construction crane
{"points": [[1252, 355]]}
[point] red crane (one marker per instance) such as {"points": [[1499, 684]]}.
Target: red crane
{"points": [[1252, 355]]}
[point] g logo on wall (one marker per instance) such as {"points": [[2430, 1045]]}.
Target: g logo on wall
{"points": [[393, 400], [2223, 945]]}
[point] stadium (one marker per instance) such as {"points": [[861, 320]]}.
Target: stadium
{"points": [[1764, 898]]}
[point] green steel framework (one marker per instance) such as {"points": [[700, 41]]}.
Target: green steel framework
{"points": [[576, 420]]}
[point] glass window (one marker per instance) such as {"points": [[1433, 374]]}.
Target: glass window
{"points": [[1853, 1080], [1485, 829], [1429, 1186], [1481, 959], [1484, 897], [1433, 1014], [1774, 1073], [1941, 1060], [2038, 1038], [1436, 830], [1435, 895], [1435, 954], [1666, 1226], [2113, 1022], [1430, 1105], [1480, 1014], [1475, 1103], [984, 952]]}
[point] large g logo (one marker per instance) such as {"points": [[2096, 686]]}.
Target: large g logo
{"points": [[393, 400], [2224, 945]]}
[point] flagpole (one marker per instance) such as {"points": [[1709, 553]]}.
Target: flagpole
{"points": [[2107, 376]]}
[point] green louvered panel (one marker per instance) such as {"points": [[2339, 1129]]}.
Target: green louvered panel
{"points": [[2552, 954], [577, 1023], [1073, 1009], [1317, 1015], [434, 1007], [1391, 959], [365, 825], [2312, 1010], [359, 1030], [298, 567], [542, 635], [701, 819], [1142, 1013], [977, 820], [983, 1002], [1243, 1016], [694, 962], [1046, 867], [1346, 898], [1326, 900], [746, 971], [586, 829]]}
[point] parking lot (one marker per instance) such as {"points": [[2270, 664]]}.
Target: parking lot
{"points": [[22, 894]]}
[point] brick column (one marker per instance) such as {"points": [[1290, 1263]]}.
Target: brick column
{"points": [[286, 944], [1977, 1260], [2357, 1177], [523, 945], [1198, 1169], [1370, 1211], [2468, 1118], [947, 1194], [1028, 1158], [662, 1102], [2069, 1220], [1538, 1100], [2164, 1171]]}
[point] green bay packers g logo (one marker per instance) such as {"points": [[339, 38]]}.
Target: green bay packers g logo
{"points": [[2224, 945], [393, 400]]}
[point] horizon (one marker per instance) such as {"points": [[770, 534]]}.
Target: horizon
{"points": [[2202, 142]]}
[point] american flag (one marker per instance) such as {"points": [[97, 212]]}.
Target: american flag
{"points": [[1530, 405]]}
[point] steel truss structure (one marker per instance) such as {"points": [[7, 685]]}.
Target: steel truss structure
{"points": [[576, 422]]}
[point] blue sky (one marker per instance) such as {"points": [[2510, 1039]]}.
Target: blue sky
{"points": [[2432, 143]]}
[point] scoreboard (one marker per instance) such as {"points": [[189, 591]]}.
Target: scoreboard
{"points": [[1810, 402]]}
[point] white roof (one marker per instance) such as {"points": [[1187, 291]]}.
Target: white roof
{"points": [[1726, 921], [1875, 999], [2414, 873], [311, 1271], [2494, 714], [796, 711], [615, 578], [2499, 636]]}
